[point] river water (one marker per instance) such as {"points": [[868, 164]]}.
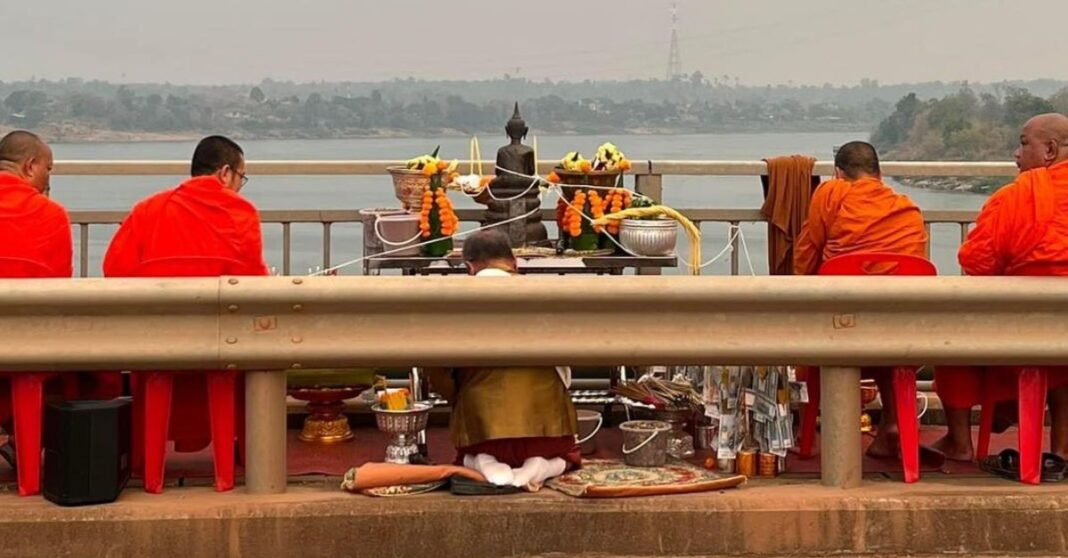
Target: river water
{"points": [[340, 192]]}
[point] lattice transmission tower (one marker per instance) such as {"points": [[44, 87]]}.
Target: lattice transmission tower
{"points": [[674, 67]]}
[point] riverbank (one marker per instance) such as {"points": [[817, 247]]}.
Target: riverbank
{"points": [[77, 132], [963, 185]]}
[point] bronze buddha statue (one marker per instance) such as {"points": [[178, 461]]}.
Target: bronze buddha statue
{"points": [[519, 159]]}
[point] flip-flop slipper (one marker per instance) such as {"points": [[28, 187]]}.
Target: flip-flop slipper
{"points": [[1054, 467], [1007, 465], [463, 486]]}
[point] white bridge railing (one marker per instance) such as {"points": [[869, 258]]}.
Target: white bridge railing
{"points": [[648, 179]]}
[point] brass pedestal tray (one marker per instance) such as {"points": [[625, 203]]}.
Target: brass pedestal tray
{"points": [[326, 392]]}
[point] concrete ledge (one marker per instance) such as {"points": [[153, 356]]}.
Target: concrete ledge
{"points": [[966, 516]]}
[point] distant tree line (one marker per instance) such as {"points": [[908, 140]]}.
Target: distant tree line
{"points": [[963, 126], [274, 109]]}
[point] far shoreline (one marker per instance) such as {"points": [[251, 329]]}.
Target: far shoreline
{"points": [[84, 137]]}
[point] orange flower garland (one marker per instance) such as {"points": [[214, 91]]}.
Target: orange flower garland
{"points": [[449, 222], [596, 208], [617, 200], [573, 217]]}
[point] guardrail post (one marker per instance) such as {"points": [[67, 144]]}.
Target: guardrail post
{"points": [[840, 446], [265, 432], [651, 185]]}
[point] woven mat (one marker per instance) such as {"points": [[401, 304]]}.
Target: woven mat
{"points": [[602, 478]]}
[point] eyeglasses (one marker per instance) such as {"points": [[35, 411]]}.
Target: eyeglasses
{"points": [[244, 178]]}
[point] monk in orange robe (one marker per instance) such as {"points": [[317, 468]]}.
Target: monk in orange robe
{"points": [[205, 216], [35, 240], [857, 212], [1021, 230]]}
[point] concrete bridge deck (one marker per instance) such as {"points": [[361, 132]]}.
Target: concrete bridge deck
{"points": [[964, 516]]}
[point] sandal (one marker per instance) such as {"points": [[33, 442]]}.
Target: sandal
{"points": [[463, 486], [7, 453], [1054, 467], [1007, 465]]}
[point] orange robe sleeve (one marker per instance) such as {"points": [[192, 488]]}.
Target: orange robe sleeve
{"points": [[808, 250], [124, 252], [60, 245], [980, 253]]}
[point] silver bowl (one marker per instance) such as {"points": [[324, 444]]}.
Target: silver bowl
{"points": [[408, 421], [649, 238], [404, 426]]}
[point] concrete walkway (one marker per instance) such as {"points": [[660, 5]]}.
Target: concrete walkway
{"points": [[966, 516]]}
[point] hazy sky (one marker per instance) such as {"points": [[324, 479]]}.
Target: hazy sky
{"points": [[760, 41]]}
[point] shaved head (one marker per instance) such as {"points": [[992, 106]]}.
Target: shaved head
{"points": [[1052, 125], [20, 145], [1043, 141], [856, 160], [27, 156]]}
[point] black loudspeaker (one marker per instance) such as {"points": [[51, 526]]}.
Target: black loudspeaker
{"points": [[86, 451]]}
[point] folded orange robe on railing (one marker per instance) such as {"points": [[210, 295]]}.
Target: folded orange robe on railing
{"points": [[863, 215], [787, 189]]}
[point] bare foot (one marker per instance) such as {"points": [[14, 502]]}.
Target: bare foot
{"points": [[952, 450], [885, 444]]}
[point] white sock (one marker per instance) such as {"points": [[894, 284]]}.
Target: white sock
{"points": [[531, 468], [536, 470], [495, 472]]}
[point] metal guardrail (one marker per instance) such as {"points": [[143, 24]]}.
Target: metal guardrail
{"points": [[648, 179], [266, 325]]}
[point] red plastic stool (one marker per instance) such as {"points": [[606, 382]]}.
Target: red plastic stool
{"points": [[902, 377], [154, 393], [1032, 386], [27, 393]]}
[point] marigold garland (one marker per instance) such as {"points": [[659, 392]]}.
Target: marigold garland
{"points": [[569, 216], [449, 222]]}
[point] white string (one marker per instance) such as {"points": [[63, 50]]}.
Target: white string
{"points": [[926, 404], [619, 178], [554, 188], [745, 250], [533, 184], [737, 230], [458, 234], [726, 249]]}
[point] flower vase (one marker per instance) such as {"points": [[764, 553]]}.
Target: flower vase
{"points": [[586, 242], [439, 245]]}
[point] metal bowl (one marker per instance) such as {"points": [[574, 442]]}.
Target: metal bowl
{"points": [[649, 238], [410, 421]]}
